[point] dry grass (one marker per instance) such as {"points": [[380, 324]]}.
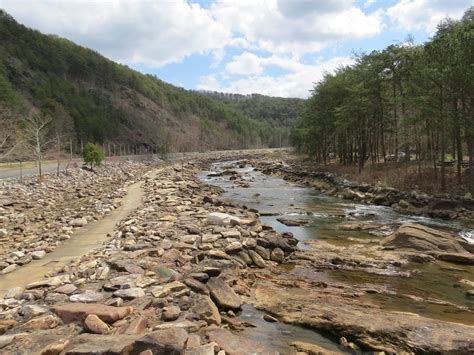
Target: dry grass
{"points": [[404, 176]]}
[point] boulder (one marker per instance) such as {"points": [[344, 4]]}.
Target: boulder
{"points": [[8, 269], [163, 342], [207, 310], [312, 349], [257, 259], [124, 281], [421, 238], [277, 255], [86, 344], [66, 289], [32, 310], [88, 296], [52, 281], [222, 219], [78, 222], [233, 247], [236, 344], [14, 292], [96, 325], [196, 286], [6, 339], [137, 326], [223, 294], [293, 222], [170, 313], [37, 255], [161, 291], [264, 253], [79, 311], [129, 293], [45, 322]]}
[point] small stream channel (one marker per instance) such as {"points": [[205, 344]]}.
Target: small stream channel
{"points": [[274, 197]]}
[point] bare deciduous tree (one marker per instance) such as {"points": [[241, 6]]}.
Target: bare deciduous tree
{"points": [[35, 135]]}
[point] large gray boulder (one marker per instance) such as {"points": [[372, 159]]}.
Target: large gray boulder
{"points": [[415, 237]]}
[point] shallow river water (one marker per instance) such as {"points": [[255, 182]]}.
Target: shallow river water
{"points": [[274, 198]]}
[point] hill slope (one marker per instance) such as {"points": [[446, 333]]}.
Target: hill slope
{"points": [[279, 112], [95, 99]]}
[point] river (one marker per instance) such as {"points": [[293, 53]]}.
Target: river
{"points": [[275, 198]]}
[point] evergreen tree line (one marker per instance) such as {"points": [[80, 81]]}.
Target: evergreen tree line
{"points": [[406, 102]]}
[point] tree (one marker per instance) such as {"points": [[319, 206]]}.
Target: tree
{"points": [[8, 139], [93, 154], [404, 99], [34, 135]]}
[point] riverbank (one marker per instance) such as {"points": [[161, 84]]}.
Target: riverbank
{"points": [[296, 169]]}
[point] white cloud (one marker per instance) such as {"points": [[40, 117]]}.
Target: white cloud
{"points": [[425, 14], [244, 64], [297, 83], [140, 32], [296, 26]]}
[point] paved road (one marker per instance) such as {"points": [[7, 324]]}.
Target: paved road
{"points": [[52, 167], [6, 173]]}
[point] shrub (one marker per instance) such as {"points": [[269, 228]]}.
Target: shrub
{"points": [[93, 154]]}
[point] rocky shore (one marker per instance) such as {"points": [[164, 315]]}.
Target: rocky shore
{"points": [[38, 215], [409, 202]]}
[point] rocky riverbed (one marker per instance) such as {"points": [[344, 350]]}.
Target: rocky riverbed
{"points": [[173, 277]]}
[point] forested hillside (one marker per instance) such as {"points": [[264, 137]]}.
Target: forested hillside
{"points": [[89, 98], [405, 102], [279, 112]]}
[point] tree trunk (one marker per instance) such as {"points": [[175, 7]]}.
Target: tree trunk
{"points": [[457, 138], [443, 141], [470, 176]]}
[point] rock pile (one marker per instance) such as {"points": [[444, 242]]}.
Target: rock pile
{"points": [[168, 280]]}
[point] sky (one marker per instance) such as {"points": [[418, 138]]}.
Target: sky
{"points": [[271, 47]]}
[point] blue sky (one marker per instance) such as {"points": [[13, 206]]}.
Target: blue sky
{"points": [[273, 47]]}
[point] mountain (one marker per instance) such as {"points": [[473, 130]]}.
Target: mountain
{"points": [[277, 111], [93, 99]]}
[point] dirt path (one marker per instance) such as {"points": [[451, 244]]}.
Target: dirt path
{"points": [[83, 241]]}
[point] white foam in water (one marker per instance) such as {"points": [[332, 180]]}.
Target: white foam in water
{"points": [[468, 236]]}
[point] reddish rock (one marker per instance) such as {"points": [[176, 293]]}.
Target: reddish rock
{"points": [[96, 325], [72, 312], [223, 294], [234, 344], [138, 326]]}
